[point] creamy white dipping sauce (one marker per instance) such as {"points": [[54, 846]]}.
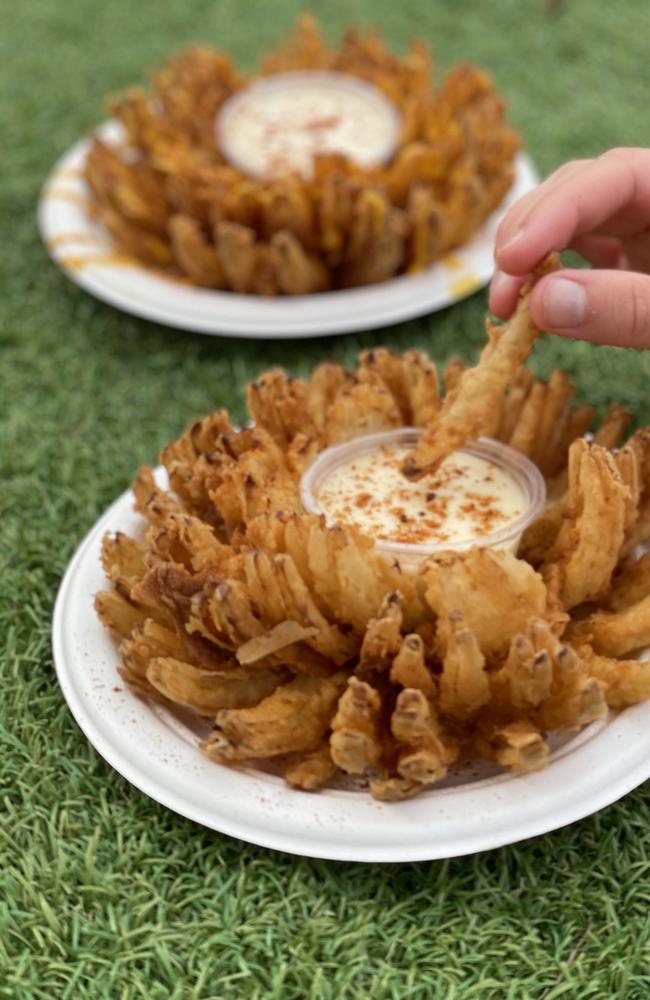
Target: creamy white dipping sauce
{"points": [[467, 497], [279, 124]]}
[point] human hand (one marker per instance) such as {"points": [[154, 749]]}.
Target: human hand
{"points": [[601, 208]]}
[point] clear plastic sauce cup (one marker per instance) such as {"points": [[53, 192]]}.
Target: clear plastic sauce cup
{"points": [[280, 122], [412, 555]]}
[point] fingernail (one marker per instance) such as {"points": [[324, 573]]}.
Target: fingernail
{"points": [[504, 285], [565, 303], [512, 241], [499, 280]]}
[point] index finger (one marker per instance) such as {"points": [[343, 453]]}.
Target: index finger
{"points": [[514, 218], [611, 195]]}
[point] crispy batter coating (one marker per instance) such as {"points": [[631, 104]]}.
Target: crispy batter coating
{"points": [[208, 691], [313, 770], [616, 633], [193, 252], [302, 640], [474, 407], [123, 560], [409, 668], [630, 583], [588, 544], [383, 636], [495, 592], [525, 679], [518, 745], [119, 613], [424, 750], [294, 717], [464, 684], [355, 743], [168, 199], [298, 272], [576, 699], [625, 682]]}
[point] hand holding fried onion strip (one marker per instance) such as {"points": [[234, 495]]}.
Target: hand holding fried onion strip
{"points": [[474, 407]]}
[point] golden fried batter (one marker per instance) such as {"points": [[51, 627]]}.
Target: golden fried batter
{"points": [[168, 199], [308, 645]]}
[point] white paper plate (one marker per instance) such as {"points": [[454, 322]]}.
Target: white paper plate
{"points": [[77, 245], [156, 750]]}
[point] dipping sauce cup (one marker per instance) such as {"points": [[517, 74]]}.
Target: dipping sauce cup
{"points": [[278, 124], [526, 477]]}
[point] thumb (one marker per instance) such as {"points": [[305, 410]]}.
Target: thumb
{"points": [[606, 307]]}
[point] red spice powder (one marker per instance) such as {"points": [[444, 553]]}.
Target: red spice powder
{"points": [[363, 491]]}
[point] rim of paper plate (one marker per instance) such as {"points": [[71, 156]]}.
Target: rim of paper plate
{"points": [[77, 244], [157, 752]]}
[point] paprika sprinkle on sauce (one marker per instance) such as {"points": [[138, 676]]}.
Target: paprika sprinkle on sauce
{"points": [[467, 497], [279, 124]]}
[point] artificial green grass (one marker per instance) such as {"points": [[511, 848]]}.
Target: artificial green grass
{"points": [[102, 892]]}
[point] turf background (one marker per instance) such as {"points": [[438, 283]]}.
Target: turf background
{"points": [[102, 892]]}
